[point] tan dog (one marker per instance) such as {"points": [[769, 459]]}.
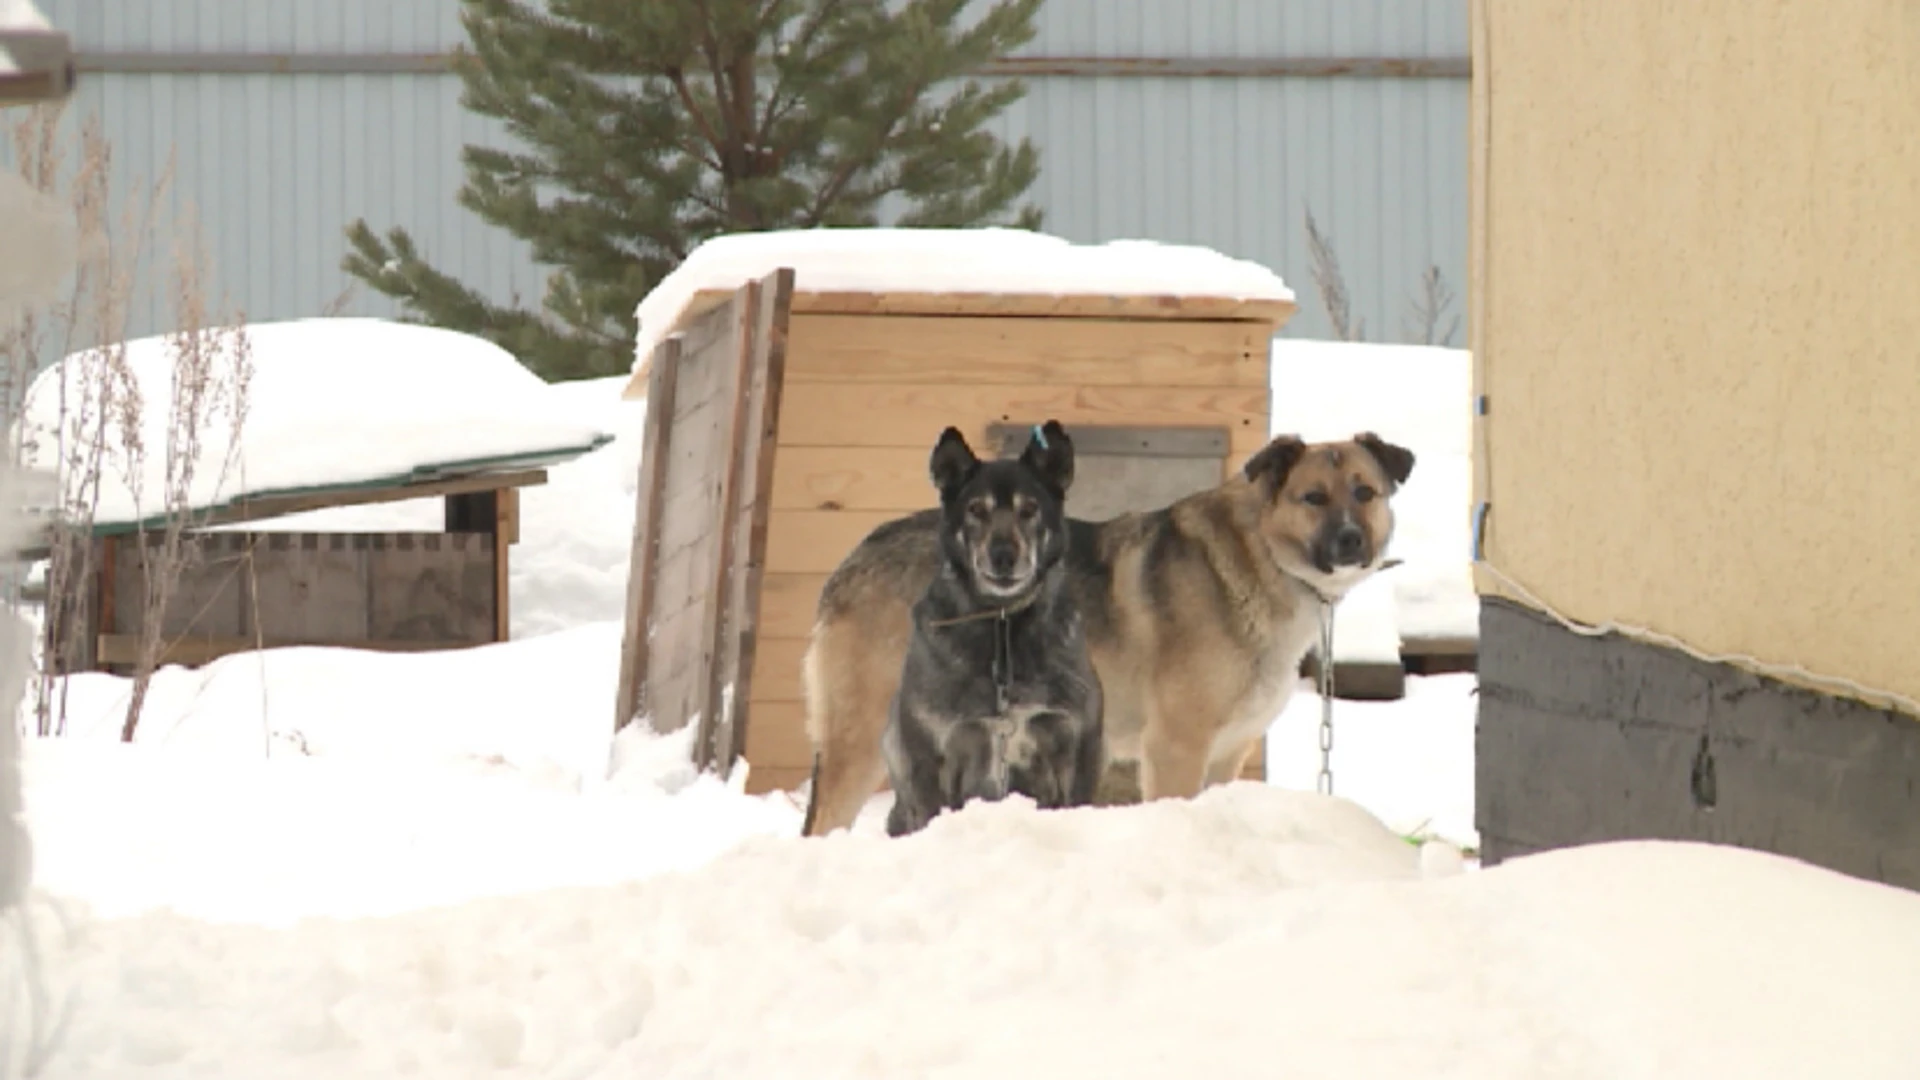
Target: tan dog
{"points": [[1197, 616]]}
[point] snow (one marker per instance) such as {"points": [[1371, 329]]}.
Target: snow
{"points": [[20, 15], [330, 402], [1251, 932], [321, 862], [1006, 261], [1419, 397]]}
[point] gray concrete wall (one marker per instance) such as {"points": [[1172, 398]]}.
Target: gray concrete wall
{"points": [[1589, 739]]}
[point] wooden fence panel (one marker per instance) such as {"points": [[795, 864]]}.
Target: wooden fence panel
{"points": [[700, 523]]}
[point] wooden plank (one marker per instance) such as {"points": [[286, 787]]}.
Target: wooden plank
{"points": [[814, 541], [642, 562], [308, 587], [945, 350], [902, 414], [193, 650], [778, 736], [687, 604], [776, 670], [713, 746], [853, 478], [895, 478], [206, 593], [430, 587], [788, 603], [756, 439]]}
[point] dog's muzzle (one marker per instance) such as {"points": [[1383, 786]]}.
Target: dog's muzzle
{"points": [[1342, 544]]}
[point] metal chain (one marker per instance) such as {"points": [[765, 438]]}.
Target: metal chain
{"points": [[1324, 783]]}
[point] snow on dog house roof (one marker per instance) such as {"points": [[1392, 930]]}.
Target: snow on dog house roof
{"points": [[997, 271], [346, 410]]}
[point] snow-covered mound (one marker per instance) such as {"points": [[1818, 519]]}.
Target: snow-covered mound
{"points": [[1252, 932], [328, 403]]}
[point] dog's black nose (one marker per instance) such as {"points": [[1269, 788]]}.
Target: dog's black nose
{"points": [[1002, 557], [1349, 544]]}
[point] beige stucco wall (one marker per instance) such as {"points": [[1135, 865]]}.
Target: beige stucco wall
{"points": [[1696, 283]]}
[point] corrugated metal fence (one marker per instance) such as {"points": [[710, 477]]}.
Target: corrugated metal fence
{"points": [[1217, 122]]}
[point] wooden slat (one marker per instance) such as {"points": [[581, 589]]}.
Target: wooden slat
{"points": [[713, 743], [755, 438], [195, 650], [853, 478], [643, 563], [778, 736], [788, 602], [903, 414], [776, 669], [912, 349], [814, 541], [895, 478]]}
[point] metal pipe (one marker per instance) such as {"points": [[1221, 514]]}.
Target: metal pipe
{"points": [[284, 63]]}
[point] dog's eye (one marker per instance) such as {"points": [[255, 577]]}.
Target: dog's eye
{"points": [[979, 511], [1028, 511], [1363, 493], [1316, 497]]}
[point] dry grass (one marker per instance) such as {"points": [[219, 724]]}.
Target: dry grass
{"points": [[131, 246], [1430, 323]]}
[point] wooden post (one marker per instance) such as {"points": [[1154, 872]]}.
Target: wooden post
{"points": [[642, 579], [505, 529]]}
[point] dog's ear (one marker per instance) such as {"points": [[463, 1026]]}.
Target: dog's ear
{"points": [[1049, 454], [1396, 460], [953, 461], [1275, 460]]}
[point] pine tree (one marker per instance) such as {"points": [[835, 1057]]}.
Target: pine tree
{"points": [[647, 126]]}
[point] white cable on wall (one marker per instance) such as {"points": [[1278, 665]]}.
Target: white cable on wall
{"points": [[1788, 673]]}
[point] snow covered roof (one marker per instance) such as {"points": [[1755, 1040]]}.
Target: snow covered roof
{"points": [[961, 271], [36, 62], [332, 405]]}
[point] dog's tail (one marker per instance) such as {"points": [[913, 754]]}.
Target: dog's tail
{"points": [[813, 687], [813, 797]]}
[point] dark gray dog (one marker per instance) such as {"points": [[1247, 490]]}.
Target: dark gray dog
{"points": [[998, 694]]}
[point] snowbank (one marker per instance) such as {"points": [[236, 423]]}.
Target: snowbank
{"points": [[331, 403], [1009, 261], [1252, 932], [1420, 397]]}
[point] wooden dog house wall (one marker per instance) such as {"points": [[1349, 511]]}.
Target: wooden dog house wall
{"points": [[1163, 396], [241, 590]]}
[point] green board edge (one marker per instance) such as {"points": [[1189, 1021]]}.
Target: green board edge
{"points": [[419, 475]]}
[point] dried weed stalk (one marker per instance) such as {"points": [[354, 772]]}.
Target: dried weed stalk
{"points": [[99, 426]]}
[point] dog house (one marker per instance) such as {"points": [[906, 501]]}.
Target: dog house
{"points": [[1695, 485], [796, 383], [340, 413]]}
